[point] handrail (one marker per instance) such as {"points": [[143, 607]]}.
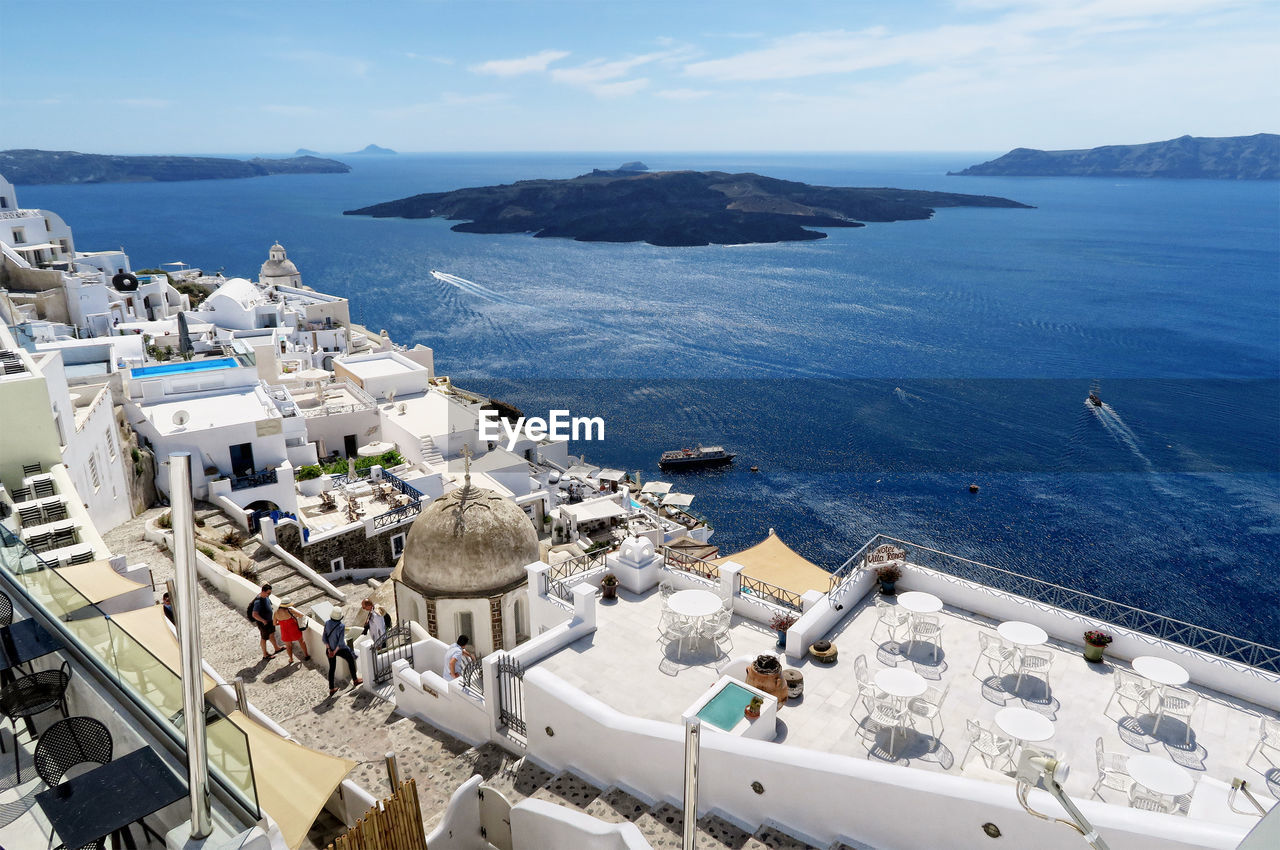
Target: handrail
{"points": [[1104, 610], [690, 564], [255, 479], [756, 588], [395, 516], [555, 580], [403, 486]]}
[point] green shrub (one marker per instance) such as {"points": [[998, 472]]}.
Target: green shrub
{"points": [[233, 538], [166, 520], [386, 460], [207, 551], [308, 472], [135, 454]]}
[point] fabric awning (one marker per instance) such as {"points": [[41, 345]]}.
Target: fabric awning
{"points": [[96, 580], [659, 487], [679, 500], [775, 562], [149, 627], [582, 472], [43, 246], [293, 781], [596, 509], [611, 475]]}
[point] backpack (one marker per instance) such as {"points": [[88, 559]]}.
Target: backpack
{"points": [[252, 609]]}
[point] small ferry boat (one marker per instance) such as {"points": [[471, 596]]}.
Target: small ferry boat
{"points": [[700, 456], [1094, 398]]}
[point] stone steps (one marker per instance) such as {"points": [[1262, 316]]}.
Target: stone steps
{"points": [[569, 790]]}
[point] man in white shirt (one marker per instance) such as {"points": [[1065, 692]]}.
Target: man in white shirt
{"points": [[456, 657]]}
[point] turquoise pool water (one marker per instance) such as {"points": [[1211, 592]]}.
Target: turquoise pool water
{"points": [[184, 366], [725, 709]]}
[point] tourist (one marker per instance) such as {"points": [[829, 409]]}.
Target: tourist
{"points": [[289, 621], [335, 646], [376, 620], [260, 610], [456, 658], [168, 607]]}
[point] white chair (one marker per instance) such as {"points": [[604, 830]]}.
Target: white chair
{"points": [[1132, 688], [886, 713], [678, 630], [999, 656], [990, 746], [1148, 800], [1113, 771], [1034, 662], [666, 588], [893, 617], [927, 628], [928, 706], [1268, 737], [1178, 703], [716, 628]]}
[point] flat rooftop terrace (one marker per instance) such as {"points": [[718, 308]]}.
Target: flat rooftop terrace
{"points": [[627, 666]]}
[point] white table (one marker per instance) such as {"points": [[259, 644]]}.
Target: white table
{"points": [[1022, 634], [900, 683], [1160, 775], [1161, 671], [1023, 725], [694, 604], [920, 603]]}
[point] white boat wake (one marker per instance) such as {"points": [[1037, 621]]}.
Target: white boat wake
{"points": [[471, 287], [1125, 436]]}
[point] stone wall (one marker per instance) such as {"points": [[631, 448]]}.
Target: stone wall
{"points": [[357, 551]]}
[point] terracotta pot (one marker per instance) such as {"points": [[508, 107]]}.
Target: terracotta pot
{"points": [[608, 591], [770, 683], [1093, 653]]}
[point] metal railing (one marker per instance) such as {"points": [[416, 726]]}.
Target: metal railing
{"points": [[256, 479], [1103, 610], [395, 516], [757, 589], [402, 486], [849, 568], [363, 401], [555, 581], [690, 564]]}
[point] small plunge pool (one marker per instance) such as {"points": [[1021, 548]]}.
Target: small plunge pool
{"points": [[725, 708]]}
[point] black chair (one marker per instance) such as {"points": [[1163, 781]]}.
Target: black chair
{"points": [[68, 743], [32, 695], [31, 469], [6, 609]]}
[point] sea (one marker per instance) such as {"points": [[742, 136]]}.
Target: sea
{"points": [[870, 377]]}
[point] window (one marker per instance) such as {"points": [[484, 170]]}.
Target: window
{"points": [[4, 202], [464, 624], [18, 236], [397, 545], [522, 619], [93, 472], [111, 445], [336, 565]]}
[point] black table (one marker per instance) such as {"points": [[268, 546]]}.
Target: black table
{"points": [[110, 797], [25, 640]]}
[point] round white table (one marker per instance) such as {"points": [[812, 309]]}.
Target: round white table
{"points": [[1161, 671], [901, 683], [920, 603], [1023, 634], [694, 603], [1024, 725], [1160, 775]]}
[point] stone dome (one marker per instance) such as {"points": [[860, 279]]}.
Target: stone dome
{"points": [[278, 264], [468, 543]]}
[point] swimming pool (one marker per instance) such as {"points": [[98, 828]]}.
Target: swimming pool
{"points": [[184, 366], [724, 710]]}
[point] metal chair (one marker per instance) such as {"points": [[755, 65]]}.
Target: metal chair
{"points": [[55, 512], [30, 695], [44, 488], [1035, 662], [29, 469], [675, 629], [885, 712], [989, 745], [866, 688], [716, 628], [1132, 687], [928, 628], [1113, 771], [666, 588], [1268, 736], [998, 655], [1148, 800], [6, 609], [71, 742], [893, 617], [928, 706], [1179, 703], [30, 515]]}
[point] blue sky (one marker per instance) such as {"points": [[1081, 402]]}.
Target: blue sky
{"points": [[460, 75]]}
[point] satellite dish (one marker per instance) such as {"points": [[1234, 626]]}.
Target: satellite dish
{"points": [[181, 418], [402, 408]]}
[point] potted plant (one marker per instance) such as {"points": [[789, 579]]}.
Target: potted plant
{"points": [[1094, 644], [752, 711], [780, 623], [609, 586], [765, 674], [888, 576]]}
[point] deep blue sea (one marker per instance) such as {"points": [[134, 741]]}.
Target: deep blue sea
{"points": [[871, 376]]}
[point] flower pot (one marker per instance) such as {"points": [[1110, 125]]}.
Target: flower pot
{"points": [[771, 683], [608, 591], [1093, 652], [782, 638], [750, 713], [889, 588]]}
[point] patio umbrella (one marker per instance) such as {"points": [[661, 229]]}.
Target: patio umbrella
{"points": [[376, 448], [680, 500], [658, 487]]}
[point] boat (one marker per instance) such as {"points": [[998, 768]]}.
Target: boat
{"points": [[700, 456], [1094, 398]]}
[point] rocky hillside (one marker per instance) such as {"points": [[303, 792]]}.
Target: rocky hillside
{"points": [[672, 207], [1254, 157], [28, 167]]}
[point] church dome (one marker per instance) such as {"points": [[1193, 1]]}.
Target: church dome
{"points": [[469, 543], [278, 264]]}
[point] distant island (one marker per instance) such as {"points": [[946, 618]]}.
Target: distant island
{"points": [[672, 208], [372, 150], [1254, 157], [305, 152], [32, 167], [633, 166]]}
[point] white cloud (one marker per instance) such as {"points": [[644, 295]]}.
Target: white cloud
{"points": [[524, 65], [604, 78], [683, 94], [619, 89]]}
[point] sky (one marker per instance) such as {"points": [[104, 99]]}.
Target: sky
{"points": [[228, 76]]}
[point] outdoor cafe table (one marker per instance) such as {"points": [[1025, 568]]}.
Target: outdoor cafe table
{"points": [[25, 640], [900, 683], [1160, 775], [1023, 725], [1022, 634], [108, 798], [1160, 670], [920, 603], [694, 604]]}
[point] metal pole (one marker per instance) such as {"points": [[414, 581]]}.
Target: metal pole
{"points": [[242, 699], [393, 771], [184, 556], [692, 752]]}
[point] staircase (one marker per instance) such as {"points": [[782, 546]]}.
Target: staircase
{"points": [[430, 452], [662, 825], [286, 582]]}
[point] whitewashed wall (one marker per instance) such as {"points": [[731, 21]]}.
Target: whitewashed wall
{"points": [[539, 825]]}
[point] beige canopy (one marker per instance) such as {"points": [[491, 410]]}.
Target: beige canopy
{"points": [[150, 628], [775, 562], [96, 580]]}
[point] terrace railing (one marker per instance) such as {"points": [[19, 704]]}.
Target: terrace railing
{"points": [[256, 479], [690, 564], [396, 516], [757, 589], [556, 580], [402, 486], [1104, 610]]}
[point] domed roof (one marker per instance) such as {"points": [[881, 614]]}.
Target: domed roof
{"points": [[278, 263], [238, 290], [471, 543]]}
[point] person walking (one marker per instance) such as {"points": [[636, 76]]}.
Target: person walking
{"points": [[289, 621], [335, 646], [261, 612], [168, 607], [376, 620], [456, 658]]}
